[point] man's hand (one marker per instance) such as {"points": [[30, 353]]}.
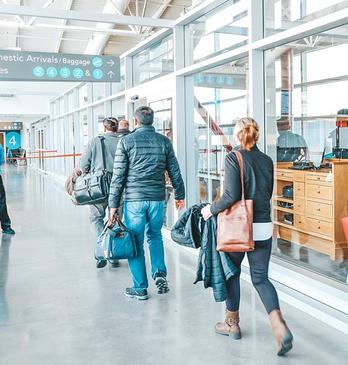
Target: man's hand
{"points": [[112, 216], [206, 213], [179, 204]]}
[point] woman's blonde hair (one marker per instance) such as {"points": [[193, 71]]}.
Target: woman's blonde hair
{"points": [[248, 132]]}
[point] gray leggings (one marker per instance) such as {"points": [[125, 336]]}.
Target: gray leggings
{"points": [[258, 262]]}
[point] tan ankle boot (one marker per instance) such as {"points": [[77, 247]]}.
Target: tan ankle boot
{"points": [[281, 332], [230, 327]]}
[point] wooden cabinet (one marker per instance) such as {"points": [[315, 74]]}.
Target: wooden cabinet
{"points": [[299, 189], [312, 216], [319, 192], [316, 209]]}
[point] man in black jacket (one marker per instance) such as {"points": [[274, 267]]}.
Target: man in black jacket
{"points": [[141, 160]]}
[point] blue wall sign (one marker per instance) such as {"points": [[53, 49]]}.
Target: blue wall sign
{"points": [[13, 140]]}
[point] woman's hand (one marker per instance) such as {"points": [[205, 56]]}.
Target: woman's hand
{"points": [[206, 213]]}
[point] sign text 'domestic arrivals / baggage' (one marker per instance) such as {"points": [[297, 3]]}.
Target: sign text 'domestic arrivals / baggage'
{"points": [[41, 66]]}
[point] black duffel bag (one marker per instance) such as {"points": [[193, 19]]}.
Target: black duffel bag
{"points": [[93, 187]]}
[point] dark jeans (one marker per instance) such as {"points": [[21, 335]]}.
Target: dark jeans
{"points": [[258, 262], [4, 218]]}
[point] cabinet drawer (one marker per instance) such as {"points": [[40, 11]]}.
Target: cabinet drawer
{"points": [[299, 189], [319, 226], [319, 209], [319, 192], [299, 205], [299, 176], [300, 222], [284, 175], [317, 178]]}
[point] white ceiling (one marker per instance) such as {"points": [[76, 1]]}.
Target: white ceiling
{"points": [[34, 88], [28, 101], [26, 33]]}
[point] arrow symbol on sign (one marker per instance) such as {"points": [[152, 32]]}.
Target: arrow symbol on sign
{"points": [[111, 63], [111, 74]]}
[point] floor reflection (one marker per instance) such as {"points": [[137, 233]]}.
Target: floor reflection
{"points": [[312, 260], [4, 258]]}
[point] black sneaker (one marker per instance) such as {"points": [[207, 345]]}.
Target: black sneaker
{"points": [[140, 294], [161, 283], [8, 230], [101, 263], [115, 263]]}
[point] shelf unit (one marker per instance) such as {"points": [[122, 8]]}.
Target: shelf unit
{"points": [[318, 204]]}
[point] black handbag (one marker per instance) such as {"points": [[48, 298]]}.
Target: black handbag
{"points": [[93, 187], [121, 243]]}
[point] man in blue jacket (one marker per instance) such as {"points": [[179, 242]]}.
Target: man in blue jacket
{"points": [[4, 218], [141, 161]]}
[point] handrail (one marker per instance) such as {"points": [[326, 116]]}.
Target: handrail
{"points": [[49, 156]]}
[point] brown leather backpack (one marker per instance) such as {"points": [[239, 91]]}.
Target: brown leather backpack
{"points": [[235, 224]]}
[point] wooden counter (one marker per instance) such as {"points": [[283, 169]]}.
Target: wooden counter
{"points": [[320, 200]]}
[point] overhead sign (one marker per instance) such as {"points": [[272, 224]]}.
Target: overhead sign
{"points": [[41, 66], [220, 81], [11, 125]]}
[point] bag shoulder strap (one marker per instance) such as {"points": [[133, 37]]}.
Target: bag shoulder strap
{"points": [[241, 168], [102, 143]]}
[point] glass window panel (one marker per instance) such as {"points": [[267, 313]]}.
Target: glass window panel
{"points": [[154, 61], [56, 108], [71, 101], [84, 127], [306, 119], [99, 115], [220, 30], [280, 15], [120, 86], [83, 96], [61, 105], [98, 91], [118, 108], [220, 97]]}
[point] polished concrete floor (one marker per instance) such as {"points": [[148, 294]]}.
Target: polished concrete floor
{"points": [[56, 308]]}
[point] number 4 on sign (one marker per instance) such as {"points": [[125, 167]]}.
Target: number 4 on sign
{"points": [[12, 141]]}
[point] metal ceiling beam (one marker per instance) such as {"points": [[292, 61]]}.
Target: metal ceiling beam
{"points": [[69, 28], [97, 44], [158, 13], [45, 6], [61, 34], [143, 14], [17, 16], [84, 16], [121, 13]]}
